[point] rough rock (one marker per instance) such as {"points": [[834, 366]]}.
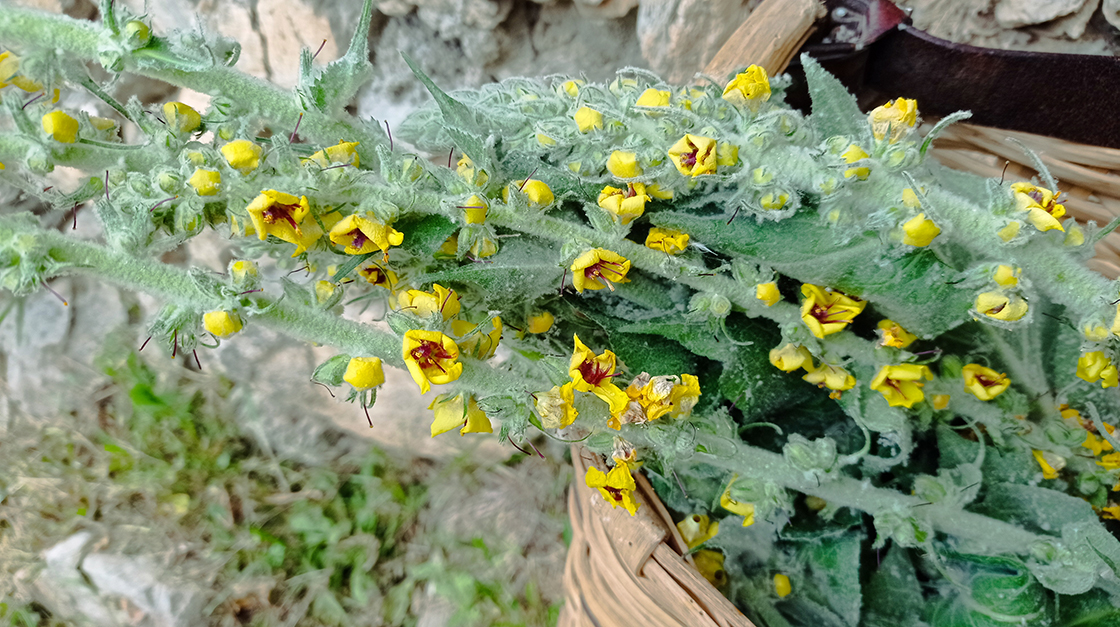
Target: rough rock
{"points": [[1016, 13], [1111, 11], [1073, 25], [679, 37], [605, 9]]}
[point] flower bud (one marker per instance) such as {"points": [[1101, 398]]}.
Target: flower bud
{"points": [[364, 373], [222, 323], [136, 34], [803, 454], [206, 182], [181, 118]]}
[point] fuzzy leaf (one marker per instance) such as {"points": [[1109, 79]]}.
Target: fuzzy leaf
{"points": [[835, 111], [893, 596], [1035, 508], [522, 270], [423, 235], [458, 120], [834, 568]]}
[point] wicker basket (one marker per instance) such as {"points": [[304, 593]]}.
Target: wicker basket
{"points": [[624, 571]]}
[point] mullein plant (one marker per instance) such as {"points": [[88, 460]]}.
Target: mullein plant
{"points": [[875, 390]]}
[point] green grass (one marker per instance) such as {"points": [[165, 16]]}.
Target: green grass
{"points": [[274, 542]]}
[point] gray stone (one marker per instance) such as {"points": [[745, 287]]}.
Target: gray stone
{"points": [[605, 9], [1111, 11], [679, 37], [1016, 13]]}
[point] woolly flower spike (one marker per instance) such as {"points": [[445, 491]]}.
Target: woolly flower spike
{"points": [[893, 120], [750, 88], [667, 240], [61, 127], [853, 154], [919, 231], [828, 376], [827, 312], [894, 335], [364, 373], [466, 171], [902, 385], [746, 510], [1000, 306], [625, 205], [538, 192], [790, 357], [222, 323], [479, 341], [206, 182], [1093, 366], [451, 413], [984, 383], [654, 98], [599, 268], [1039, 202], [181, 118], [624, 165], [588, 119], [242, 155], [767, 293], [556, 407], [697, 529], [694, 155], [361, 234], [282, 215], [341, 153], [540, 323], [594, 373], [424, 304], [616, 486], [431, 357], [474, 210]]}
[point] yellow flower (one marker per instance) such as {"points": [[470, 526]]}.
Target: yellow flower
{"points": [[746, 510], [474, 210], [684, 396], [667, 240], [595, 373], [541, 322], [242, 155], [616, 486], [466, 170], [790, 357], [9, 75], [599, 268], [853, 154], [1096, 444], [206, 182], [452, 413], [424, 304], [282, 215], [654, 98], [773, 201], [588, 119], [894, 119], [901, 385], [697, 529], [361, 234], [538, 192], [556, 407], [1094, 365], [1112, 512], [625, 205], [181, 118], [710, 565], [827, 312], [894, 335], [750, 88], [376, 275], [364, 373], [767, 293], [782, 587], [1108, 462], [1009, 232], [343, 152], [431, 357], [624, 165], [222, 323], [910, 199], [571, 87], [984, 383], [61, 127], [658, 193], [1001, 307], [1075, 237], [325, 291], [1049, 462], [919, 231], [1006, 276], [1039, 202], [694, 155], [828, 376], [545, 140], [478, 341]]}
